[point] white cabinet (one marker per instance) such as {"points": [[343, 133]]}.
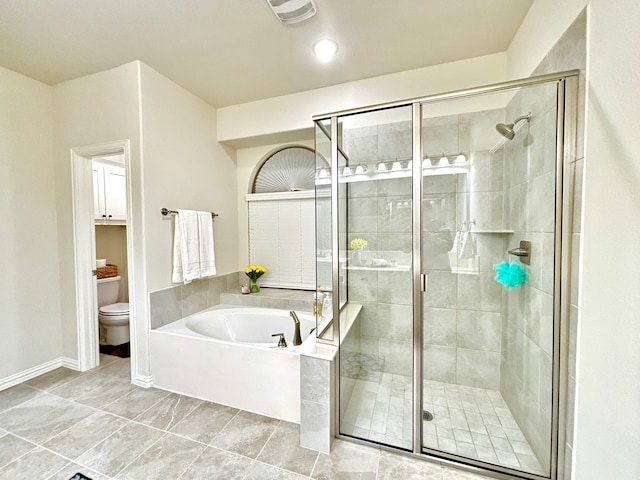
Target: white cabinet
{"points": [[109, 192]]}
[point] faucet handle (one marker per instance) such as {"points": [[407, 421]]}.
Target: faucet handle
{"points": [[282, 343]]}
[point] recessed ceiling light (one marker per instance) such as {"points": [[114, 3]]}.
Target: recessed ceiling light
{"points": [[325, 49]]}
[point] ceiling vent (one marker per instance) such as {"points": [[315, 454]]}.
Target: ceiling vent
{"points": [[292, 11]]}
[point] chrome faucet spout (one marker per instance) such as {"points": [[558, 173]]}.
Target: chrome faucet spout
{"points": [[297, 340]]}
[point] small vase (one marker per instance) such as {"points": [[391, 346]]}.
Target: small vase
{"points": [[255, 288]]}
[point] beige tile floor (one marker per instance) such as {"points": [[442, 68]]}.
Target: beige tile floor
{"points": [[99, 424]]}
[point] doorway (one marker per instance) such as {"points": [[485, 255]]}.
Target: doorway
{"points": [[446, 229], [87, 220]]}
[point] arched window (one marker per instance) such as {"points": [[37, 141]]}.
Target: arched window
{"points": [[281, 206]]}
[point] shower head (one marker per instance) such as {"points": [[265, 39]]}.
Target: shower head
{"points": [[507, 130]]}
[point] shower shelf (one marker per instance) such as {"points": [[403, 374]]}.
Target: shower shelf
{"points": [[507, 232]]}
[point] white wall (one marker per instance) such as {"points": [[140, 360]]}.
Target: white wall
{"points": [[607, 422], [29, 331], [98, 108], [184, 167], [247, 160], [607, 442], [263, 121]]}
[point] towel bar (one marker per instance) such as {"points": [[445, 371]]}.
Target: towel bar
{"points": [[166, 212]]}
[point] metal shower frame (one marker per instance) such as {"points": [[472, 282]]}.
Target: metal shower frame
{"points": [[567, 88]]}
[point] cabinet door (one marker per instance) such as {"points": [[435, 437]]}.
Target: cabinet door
{"points": [[98, 191], [115, 187]]}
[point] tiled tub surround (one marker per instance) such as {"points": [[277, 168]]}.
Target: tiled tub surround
{"points": [[174, 303]]}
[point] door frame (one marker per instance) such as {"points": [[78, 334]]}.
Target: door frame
{"points": [[85, 251]]}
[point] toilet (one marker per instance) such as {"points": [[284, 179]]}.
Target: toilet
{"points": [[113, 317]]}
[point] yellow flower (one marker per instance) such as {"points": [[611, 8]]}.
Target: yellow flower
{"points": [[255, 271], [358, 244]]}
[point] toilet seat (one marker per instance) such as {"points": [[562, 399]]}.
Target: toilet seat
{"points": [[115, 309]]}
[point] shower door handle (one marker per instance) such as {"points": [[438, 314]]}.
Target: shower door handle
{"points": [[424, 282]]}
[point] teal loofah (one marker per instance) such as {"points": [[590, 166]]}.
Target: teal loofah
{"points": [[509, 274]]}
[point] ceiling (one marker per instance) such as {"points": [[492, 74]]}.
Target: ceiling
{"points": [[235, 51]]}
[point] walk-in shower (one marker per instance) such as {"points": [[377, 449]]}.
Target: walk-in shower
{"points": [[444, 361]]}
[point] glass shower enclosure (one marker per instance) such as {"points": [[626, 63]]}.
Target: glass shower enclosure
{"points": [[439, 247]]}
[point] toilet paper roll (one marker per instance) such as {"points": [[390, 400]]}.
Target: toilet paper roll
{"points": [[101, 262]]}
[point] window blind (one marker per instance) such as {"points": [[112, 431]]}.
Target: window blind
{"points": [[282, 238]]}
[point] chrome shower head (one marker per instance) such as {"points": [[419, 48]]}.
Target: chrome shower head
{"points": [[507, 130]]}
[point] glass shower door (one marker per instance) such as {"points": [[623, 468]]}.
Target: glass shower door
{"points": [[489, 176], [376, 354]]}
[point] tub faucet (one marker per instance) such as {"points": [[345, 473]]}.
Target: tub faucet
{"points": [[296, 333]]}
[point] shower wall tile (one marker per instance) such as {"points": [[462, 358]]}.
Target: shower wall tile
{"points": [[486, 172], [440, 363], [440, 327], [165, 306], [482, 128], [435, 250], [439, 139], [394, 214], [442, 289], [394, 322], [394, 141], [479, 292], [541, 202], [363, 214], [479, 330], [395, 287], [400, 243], [439, 212], [436, 184], [361, 145], [394, 187], [492, 250], [486, 208], [476, 368], [362, 189], [398, 356], [363, 285]]}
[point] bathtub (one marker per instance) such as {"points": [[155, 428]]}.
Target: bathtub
{"points": [[226, 354]]}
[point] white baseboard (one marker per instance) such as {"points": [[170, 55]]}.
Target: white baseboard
{"points": [[38, 370], [70, 363], [144, 381]]}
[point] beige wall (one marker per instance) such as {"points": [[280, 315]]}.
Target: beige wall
{"points": [[91, 110], [184, 167], [111, 243], [254, 123], [29, 330]]}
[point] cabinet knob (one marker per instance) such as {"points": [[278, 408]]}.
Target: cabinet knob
{"points": [[104, 216], [110, 216]]}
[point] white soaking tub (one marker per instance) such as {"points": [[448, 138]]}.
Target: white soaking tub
{"points": [[226, 354]]}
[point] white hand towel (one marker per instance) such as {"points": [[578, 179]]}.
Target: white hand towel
{"points": [[186, 247], [207, 253]]}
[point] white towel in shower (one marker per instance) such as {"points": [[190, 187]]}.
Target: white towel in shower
{"points": [[193, 254]]}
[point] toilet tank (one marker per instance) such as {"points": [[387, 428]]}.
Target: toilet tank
{"points": [[108, 290]]}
